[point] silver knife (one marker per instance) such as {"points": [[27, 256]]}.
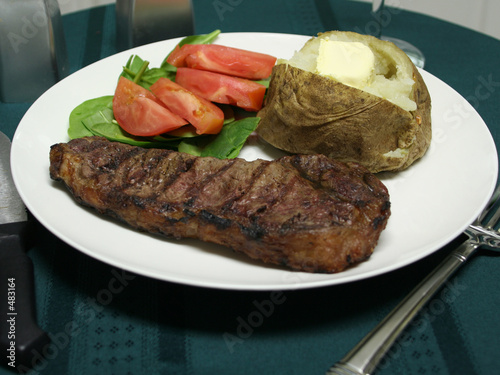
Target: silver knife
{"points": [[21, 339]]}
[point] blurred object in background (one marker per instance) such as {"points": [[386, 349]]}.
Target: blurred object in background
{"points": [[32, 49], [140, 22]]}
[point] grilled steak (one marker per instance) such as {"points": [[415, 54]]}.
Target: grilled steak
{"points": [[309, 213]]}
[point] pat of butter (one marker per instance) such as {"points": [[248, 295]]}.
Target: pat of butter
{"points": [[351, 63]]}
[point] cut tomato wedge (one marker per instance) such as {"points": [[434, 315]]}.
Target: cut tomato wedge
{"points": [[221, 59], [205, 116], [140, 113], [221, 88]]}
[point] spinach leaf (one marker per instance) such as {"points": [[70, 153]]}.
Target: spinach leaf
{"points": [[136, 70], [132, 67], [200, 39], [228, 143], [114, 132], [150, 76], [76, 127], [264, 82], [192, 147], [186, 131], [225, 145]]}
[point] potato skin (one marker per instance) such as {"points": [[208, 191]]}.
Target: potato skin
{"points": [[307, 113]]}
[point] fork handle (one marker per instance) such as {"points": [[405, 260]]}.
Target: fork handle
{"points": [[367, 354]]}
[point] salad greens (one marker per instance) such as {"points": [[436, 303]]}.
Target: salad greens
{"points": [[95, 116]]}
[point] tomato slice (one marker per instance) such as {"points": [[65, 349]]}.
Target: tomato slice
{"points": [[205, 116], [221, 59], [221, 88], [140, 113]]}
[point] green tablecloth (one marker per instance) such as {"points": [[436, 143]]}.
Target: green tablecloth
{"points": [[103, 320]]}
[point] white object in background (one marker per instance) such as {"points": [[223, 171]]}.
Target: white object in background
{"points": [[32, 49], [479, 15], [141, 22], [71, 6]]}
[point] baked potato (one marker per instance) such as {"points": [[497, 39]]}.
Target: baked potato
{"points": [[383, 123]]}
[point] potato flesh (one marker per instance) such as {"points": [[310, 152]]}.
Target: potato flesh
{"points": [[393, 79]]}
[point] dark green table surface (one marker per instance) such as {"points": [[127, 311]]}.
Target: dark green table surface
{"points": [[154, 327]]}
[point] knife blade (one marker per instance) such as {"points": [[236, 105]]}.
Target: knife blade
{"points": [[20, 336]]}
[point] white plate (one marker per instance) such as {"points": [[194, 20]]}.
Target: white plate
{"points": [[432, 202]]}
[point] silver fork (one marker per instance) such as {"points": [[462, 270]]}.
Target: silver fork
{"points": [[367, 354]]}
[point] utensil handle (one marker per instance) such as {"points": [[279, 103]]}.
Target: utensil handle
{"points": [[20, 337], [367, 354]]}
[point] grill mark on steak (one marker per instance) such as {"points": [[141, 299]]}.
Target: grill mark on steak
{"points": [[309, 213]]}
